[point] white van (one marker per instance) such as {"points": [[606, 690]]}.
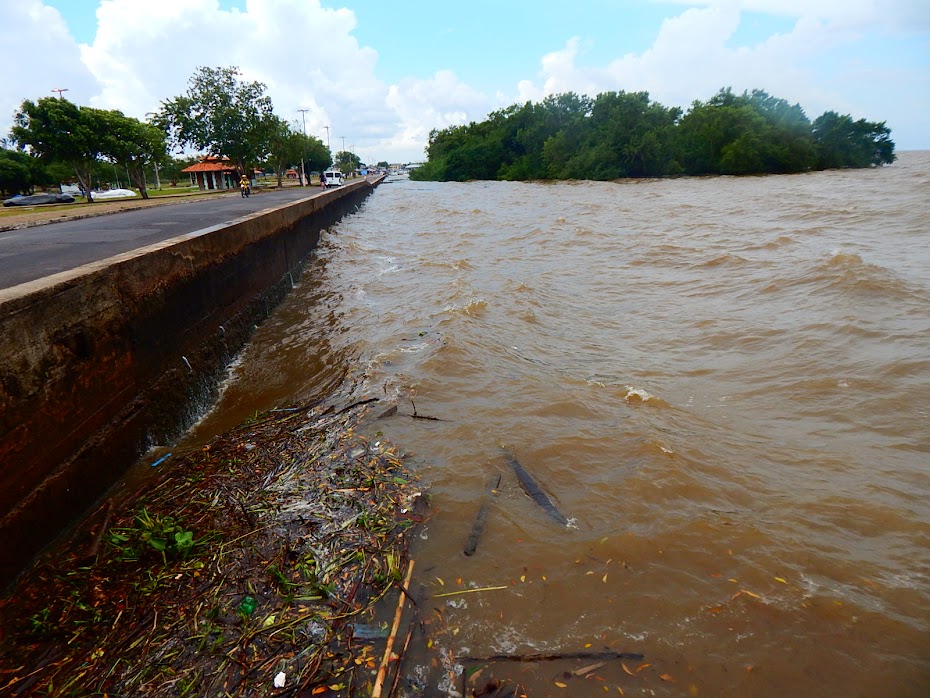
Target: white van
{"points": [[332, 178]]}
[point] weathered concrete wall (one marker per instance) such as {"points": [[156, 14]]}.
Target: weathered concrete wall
{"points": [[98, 363]]}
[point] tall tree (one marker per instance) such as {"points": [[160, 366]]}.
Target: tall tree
{"points": [[347, 162], [20, 172], [289, 147], [55, 129], [221, 115], [842, 142], [132, 144]]}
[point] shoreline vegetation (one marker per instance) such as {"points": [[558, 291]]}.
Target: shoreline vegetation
{"points": [[252, 566], [619, 135]]}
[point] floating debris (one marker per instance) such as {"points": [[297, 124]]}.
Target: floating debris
{"points": [[234, 569], [478, 526], [534, 491]]}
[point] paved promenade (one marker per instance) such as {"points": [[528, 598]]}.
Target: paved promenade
{"points": [[32, 253]]}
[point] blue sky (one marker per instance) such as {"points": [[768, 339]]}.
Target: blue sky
{"points": [[383, 74]]}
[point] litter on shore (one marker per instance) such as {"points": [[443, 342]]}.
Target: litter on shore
{"points": [[241, 570]]}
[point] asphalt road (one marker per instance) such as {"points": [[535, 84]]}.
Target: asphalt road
{"points": [[33, 253]]}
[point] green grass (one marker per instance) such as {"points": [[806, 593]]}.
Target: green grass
{"points": [[99, 204]]}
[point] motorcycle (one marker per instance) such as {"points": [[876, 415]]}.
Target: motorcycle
{"points": [[245, 190]]}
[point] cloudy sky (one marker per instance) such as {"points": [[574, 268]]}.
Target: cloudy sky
{"points": [[381, 74]]}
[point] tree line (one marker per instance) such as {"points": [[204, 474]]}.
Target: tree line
{"points": [[54, 140], [625, 134]]}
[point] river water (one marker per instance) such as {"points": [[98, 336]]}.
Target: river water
{"points": [[723, 383]]}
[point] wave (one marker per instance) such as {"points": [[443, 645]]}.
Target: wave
{"points": [[848, 274], [472, 307], [726, 259]]}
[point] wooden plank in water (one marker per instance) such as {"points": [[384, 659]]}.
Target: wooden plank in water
{"points": [[478, 526], [534, 491]]}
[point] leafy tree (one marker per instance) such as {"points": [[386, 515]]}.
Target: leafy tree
{"points": [[21, 172], [842, 142], [221, 115], [631, 134], [383, 164], [132, 144], [288, 147], [284, 146], [317, 156], [347, 162], [621, 134], [171, 167], [55, 129]]}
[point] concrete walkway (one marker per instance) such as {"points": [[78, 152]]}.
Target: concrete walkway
{"points": [[32, 253]]}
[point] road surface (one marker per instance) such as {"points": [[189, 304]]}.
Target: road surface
{"points": [[36, 252]]}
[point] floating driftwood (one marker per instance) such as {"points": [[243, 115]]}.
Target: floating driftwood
{"points": [[533, 490], [478, 526], [392, 638], [424, 416], [398, 669]]}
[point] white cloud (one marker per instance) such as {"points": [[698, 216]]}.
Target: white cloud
{"points": [[437, 102], [43, 57], [309, 57], [693, 56]]}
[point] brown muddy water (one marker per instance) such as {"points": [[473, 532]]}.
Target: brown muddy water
{"points": [[723, 383]]}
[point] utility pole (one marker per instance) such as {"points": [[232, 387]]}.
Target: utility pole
{"points": [[303, 170], [328, 147], [343, 143], [59, 90]]}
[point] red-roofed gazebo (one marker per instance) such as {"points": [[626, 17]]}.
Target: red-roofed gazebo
{"points": [[214, 172]]}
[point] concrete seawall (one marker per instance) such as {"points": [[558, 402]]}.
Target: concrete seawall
{"points": [[99, 363]]}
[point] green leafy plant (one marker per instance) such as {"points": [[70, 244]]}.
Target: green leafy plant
{"points": [[152, 532]]}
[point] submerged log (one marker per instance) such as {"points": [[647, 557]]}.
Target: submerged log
{"points": [[478, 526], [534, 491]]}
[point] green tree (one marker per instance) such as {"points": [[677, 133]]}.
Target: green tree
{"points": [[347, 162], [55, 129], [170, 168], [284, 146], [842, 142], [221, 115], [21, 172], [289, 147], [621, 134], [131, 144], [631, 135]]}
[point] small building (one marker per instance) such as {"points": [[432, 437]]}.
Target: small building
{"points": [[214, 172]]}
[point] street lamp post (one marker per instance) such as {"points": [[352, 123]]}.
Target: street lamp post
{"points": [[59, 90]]}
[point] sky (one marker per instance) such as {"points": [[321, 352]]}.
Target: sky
{"points": [[376, 76]]}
